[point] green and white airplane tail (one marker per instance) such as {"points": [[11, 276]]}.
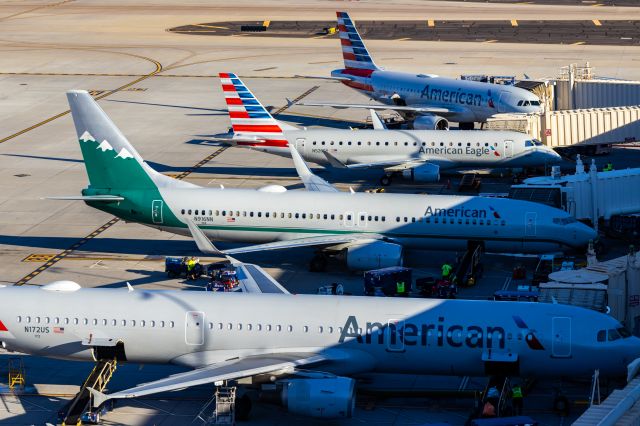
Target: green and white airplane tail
{"points": [[112, 163], [120, 182]]}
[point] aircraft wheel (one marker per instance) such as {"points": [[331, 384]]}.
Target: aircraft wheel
{"points": [[385, 180], [318, 263], [243, 407]]}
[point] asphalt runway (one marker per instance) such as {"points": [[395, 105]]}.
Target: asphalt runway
{"points": [[595, 32], [161, 89]]}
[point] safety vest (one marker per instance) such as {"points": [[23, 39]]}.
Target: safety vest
{"points": [[608, 167], [446, 269], [400, 287], [516, 392], [191, 264]]}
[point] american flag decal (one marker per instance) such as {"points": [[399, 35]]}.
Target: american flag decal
{"points": [[58, 330], [231, 219]]}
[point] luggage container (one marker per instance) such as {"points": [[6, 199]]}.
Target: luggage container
{"points": [[385, 280]]}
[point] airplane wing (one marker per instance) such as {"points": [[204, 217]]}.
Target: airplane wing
{"points": [[253, 279], [416, 110], [311, 181], [228, 370], [206, 246], [389, 166]]}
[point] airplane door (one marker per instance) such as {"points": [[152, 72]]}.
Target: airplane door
{"points": [[156, 211], [395, 335], [194, 328], [561, 343], [530, 224], [361, 220], [507, 149], [300, 143]]}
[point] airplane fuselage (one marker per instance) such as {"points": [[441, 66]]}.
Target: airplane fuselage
{"points": [[418, 222], [414, 336], [468, 101], [449, 150]]}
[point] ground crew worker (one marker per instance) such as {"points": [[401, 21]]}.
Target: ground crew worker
{"points": [[608, 167], [446, 270], [191, 265], [516, 398], [400, 290]]}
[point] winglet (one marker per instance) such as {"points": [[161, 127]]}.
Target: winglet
{"points": [[334, 162], [204, 244], [378, 124], [311, 181], [98, 397]]}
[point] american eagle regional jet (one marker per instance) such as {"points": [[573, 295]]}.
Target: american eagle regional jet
{"points": [[428, 100], [369, 230], [416, 154], [307, 347]]}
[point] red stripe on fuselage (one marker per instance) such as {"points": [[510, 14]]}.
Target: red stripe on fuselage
{"points": [[238, 114], [228, 88], [233, 101], [2, 327], [359, 86], [257, 128], [224, 75], [269, 142], [358, 72], [349, 56]]}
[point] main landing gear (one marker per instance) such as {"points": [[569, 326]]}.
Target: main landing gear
{"points": [[385, 180]]}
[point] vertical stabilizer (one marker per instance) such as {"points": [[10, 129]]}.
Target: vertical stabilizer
{"points": [[249, 119], [354, 52]]}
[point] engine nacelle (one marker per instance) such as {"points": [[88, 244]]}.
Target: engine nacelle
{"points": [[424, 173], [373, 255], [330, 398], [430, 122]]}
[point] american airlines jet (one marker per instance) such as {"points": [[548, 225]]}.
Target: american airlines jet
{"points": [[415, 154], [428, 100], [308, 346], [369, 230]]}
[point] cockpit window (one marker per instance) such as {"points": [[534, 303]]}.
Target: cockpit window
{"points": [[520, 103], [623, 332], [536, 142], [614, 335], [564, 220], [535, 103], [602, 335]]}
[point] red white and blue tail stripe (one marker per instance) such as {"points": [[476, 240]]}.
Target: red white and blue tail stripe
{"points": [[354, 52], [249, 119]]}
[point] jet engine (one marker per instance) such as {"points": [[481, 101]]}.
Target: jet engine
{"points": [[430, 122], [372, 255], [424, 173], [332, 397]]}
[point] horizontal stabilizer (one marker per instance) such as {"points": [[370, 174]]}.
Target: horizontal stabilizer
{"points": [[104, 198], [334, 162]]}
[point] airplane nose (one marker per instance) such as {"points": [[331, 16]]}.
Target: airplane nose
{"points": [[584, 234]]}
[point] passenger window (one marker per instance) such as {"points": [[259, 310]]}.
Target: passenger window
{"points": [[333, 217], [196, 213], [320, 329], [152, 323], [210, 326], [161, 324], [279, 327], [305, 328], [182, 211], [304, 215], [114, 322], [143, 323], [124, 323], [259, 214], [397, 218], [268, 327], [95, 321], [104, 321], [297, 215]]}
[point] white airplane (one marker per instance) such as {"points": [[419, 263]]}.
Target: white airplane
{"points": [[368, 230], [416, 154], [426, 99], [308, 346]]}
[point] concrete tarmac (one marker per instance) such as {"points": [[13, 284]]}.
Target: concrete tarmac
{"points": [[161, 89]]}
